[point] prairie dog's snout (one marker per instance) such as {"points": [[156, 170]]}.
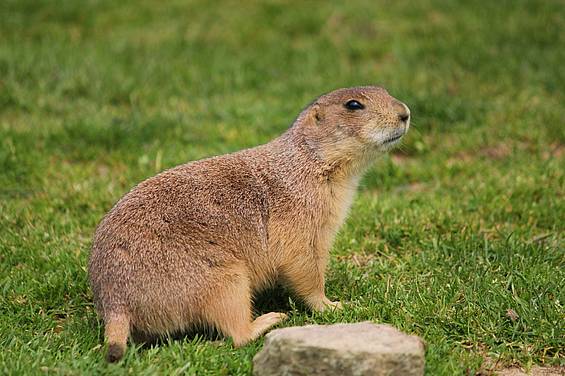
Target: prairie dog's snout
{"points": [[402, 110], [403, 124], [190, 246]]}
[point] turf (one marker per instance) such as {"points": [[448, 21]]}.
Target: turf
{"points": [[447, 234]]}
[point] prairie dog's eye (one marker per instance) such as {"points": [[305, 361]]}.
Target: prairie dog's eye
{"points": [[354, 105]]}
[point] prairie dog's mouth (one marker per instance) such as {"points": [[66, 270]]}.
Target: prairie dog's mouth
{"points": [[385, 138], [393, 138]]}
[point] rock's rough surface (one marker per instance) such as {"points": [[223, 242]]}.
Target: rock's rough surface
{"points": [[341, 349], [535, 371]]}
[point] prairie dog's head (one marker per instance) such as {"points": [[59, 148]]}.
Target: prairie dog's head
{"points": [[356, 120]]}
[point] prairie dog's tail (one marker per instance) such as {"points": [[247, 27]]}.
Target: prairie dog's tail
{"points": [[116, 333]]}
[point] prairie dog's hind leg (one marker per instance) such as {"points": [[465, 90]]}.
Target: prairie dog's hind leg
{"points": [[231, 313]]}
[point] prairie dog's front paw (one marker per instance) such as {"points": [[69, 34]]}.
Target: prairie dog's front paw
{"points": [[326, 304], [334, 306]]}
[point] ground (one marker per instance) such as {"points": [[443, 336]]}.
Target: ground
{"points": [[456, 237]]}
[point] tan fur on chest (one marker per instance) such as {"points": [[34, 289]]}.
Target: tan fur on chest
{"points": [[340, 197], [303, 230]]}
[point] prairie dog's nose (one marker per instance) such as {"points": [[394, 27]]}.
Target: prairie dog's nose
{"points": [[402, 110]]}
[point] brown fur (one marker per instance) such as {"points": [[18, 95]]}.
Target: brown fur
{"points": [[191, 246]]}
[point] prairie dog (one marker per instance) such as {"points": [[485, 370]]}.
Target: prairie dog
{"points": [[190, 246]]}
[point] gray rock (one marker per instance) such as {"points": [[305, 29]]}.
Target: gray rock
{"points": [[341, 349]]}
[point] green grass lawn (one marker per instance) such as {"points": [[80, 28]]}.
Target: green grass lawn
{"points": [[447, 234]]}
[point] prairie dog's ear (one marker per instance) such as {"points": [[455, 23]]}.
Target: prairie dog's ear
{"points": [[315, 114]]}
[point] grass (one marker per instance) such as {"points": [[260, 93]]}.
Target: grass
{"points": [[445, 236]]}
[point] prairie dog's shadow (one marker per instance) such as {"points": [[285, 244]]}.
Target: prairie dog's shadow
{"points": [[275, 299]]}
